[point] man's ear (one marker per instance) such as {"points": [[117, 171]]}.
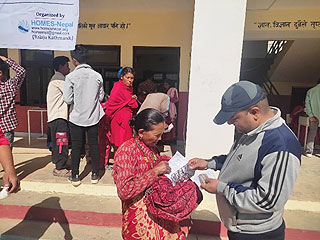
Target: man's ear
{"points": [[255, 111]]}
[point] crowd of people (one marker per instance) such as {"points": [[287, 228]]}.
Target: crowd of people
{"points": [[256, 177]]}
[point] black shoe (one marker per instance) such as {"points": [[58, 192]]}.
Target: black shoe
{"points": [[94, 178], [74, 180]]}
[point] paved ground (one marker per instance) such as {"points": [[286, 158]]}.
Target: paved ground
{"points": [[48, 207]]}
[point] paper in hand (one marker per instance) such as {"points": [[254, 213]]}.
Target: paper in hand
{"points": [[201, 175], [180, 171]]}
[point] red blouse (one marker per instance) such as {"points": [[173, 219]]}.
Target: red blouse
{"points": [[131, 172]]}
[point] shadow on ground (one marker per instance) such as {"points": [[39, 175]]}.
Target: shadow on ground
{"points": [[22, 142], [48, 211], [24, 169]]}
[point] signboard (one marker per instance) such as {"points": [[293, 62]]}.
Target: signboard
{"points": [[39, 24]]}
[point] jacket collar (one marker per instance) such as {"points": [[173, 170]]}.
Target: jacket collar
{"points": [[271, 123]]}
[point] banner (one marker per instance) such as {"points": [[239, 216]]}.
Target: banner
{"points": [[39, 24]]}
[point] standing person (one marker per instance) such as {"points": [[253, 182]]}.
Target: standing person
{"points": [[137, 166], [120, 106], [83, 91], [159, 101], [146, 87], [313, 111], [258, 174], [8, 92], [57, 111], [6, 160], [172, 92]]}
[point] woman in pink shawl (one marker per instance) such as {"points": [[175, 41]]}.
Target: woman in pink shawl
{"points": [[172, 92], [120, 106]]}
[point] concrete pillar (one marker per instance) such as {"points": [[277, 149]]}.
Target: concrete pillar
{"points": [[218, 31]]}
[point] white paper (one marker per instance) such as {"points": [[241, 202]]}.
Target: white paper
{"points": [[196, 178], [180, 171], [4, 192]]}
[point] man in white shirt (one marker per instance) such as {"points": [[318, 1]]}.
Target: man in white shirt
{"points": [[57, 111], [83, 91]]}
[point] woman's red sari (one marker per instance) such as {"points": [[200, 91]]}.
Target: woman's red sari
{"points": [[119, 111], [132, 177]]}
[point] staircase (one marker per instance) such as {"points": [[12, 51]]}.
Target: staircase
{"points": [[257, 70]]}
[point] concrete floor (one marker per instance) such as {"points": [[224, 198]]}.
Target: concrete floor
{"points": [[34, 168]]}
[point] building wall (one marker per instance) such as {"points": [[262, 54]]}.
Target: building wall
{"points": [[135, 28], [167, 27]]}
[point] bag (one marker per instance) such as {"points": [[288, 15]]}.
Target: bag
{"points": [[174, 203]]}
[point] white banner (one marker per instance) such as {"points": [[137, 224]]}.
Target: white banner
{"points": [[39, 24]]}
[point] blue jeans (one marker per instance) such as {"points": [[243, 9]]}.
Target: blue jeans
{"points": [[277, 234]]}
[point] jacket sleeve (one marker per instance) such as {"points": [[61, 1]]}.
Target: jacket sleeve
{"points": [[308, 105], [68, 91], [278, 175], [216, 162]]}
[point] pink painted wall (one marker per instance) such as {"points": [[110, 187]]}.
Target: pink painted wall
{"points": [[35, 123], [182, 114]]}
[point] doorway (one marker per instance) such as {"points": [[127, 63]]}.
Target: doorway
{"points": [[163, 62]]}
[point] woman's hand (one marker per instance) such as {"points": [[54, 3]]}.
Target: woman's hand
{"points": [[162, 168], [135, 97]]}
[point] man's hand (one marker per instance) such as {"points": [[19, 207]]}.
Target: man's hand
{"points": [[210, 185], [314, 119], [197, 164], [3, 58], [11, 177]]}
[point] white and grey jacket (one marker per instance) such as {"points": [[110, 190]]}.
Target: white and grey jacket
{"points": [[257, 177]]}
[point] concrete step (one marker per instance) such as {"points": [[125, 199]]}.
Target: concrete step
{"points": [[32, 215]]}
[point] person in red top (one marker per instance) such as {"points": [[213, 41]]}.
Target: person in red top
{"points": [[137, 166], [8, 93], [120, 106], [6, 161]]}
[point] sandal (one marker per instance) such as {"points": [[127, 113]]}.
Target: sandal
{"points": [[61, 173]]}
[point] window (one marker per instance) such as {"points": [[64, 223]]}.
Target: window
{"points": [[38, 64], [106, 61], [4, 52]]}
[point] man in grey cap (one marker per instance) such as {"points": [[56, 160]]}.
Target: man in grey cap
{"points": [[258, 174]]}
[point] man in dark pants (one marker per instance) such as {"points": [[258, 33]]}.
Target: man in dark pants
{"points": [[258, 174], [57, 111], [83, 91]]}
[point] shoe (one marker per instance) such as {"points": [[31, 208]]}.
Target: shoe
{"points": [[94, 178], [61, 173], [309, 155], [74, 180]]}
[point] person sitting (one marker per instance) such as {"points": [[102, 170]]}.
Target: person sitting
{"points": [[137, 166]]}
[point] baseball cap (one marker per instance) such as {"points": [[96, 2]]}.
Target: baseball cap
{"points": [[238, 96]]}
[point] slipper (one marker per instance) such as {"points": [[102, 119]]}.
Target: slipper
{"points": [[62, 173]]}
